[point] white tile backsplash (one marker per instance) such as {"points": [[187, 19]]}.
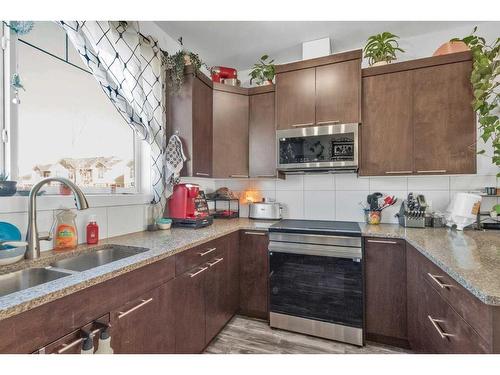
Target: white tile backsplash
{"points": [[293, 203], [386, 185], [319, 205], [471, 182], [292, 182], [319, 182], [350, 181], [418, 183], [347, 206], [126, 219]]}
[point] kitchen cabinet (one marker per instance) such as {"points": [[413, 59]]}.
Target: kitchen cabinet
{"points": [[387, 135], [146, 324], [338, 92], [321, 91], [262, 135], [385, 291], [230, 134], [295, 98], [190, 116], [444, 121], [254, 274], [233, 287], [418, 118]]}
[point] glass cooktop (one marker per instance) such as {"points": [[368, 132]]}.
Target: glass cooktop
{"points": [[317, 227]]}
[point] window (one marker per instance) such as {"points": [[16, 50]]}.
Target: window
{"points": [[67, 127]]}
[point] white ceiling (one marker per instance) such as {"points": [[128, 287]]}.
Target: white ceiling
{"points": [[240, 43]]}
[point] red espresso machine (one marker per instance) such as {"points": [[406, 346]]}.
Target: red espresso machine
{"points": [[188, 207]]}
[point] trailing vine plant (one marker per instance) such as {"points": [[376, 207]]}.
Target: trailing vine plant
{"points": [[485, 79]]}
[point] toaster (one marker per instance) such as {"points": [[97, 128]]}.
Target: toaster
{"points": [[265, 211]]}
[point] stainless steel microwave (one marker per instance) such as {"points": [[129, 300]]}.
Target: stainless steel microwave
{"points": [[328, 147]]}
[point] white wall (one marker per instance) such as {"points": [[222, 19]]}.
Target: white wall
{"points": [[336, 197]]}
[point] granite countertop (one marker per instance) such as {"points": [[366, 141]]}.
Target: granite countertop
{"points": [[472, 258]]}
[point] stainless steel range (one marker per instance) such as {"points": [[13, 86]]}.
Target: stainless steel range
{"points": [[316, 279]]}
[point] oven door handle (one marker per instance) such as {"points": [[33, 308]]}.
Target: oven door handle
{"points": [[318, 250]]}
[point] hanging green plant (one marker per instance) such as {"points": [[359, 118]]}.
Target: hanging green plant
{"points": [[20, 27], [485, 84], [381, 48], [175, 65], [263, 72]]}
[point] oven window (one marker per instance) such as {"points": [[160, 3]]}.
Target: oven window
{"points": [[316, 287], [317, 148]]}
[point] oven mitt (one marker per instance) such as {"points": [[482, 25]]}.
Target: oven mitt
{"points": [[175, 161]]}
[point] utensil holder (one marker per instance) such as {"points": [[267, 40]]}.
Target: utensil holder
{"points": [[373, 217]]}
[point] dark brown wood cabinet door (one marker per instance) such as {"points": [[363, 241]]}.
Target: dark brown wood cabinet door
{"points": [[202, 129], [295, 98], [216, 284], [233, 290], [444, 122], [262, 136], [338, 92], [387, 130], [385, 288], [190, 311], [137, 326], [230, 137], [254, 274]]}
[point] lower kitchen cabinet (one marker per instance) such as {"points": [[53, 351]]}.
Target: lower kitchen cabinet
{"points": [[254, 274], [145, 325], [385, 290], [233, 287]]}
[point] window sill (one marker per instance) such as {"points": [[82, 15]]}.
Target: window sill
{"points": [[54, 202]]}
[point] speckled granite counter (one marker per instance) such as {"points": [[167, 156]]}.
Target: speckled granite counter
{"points": [[161, 244], [472, 258]]}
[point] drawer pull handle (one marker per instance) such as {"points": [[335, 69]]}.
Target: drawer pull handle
{"points": [[238, 176], [143, 303], [332, 122], [266, 175], [198, 272], [438, 329], [256, 233], [398, 172], [383, 241], [202, 174], [433, 171], [208, 251], [436, 278], [303, 125], [214, 263]]}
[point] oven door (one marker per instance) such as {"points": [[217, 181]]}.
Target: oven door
{"points": [[318, 147], [313, 282]]}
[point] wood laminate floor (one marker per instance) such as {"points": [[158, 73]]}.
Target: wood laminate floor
{"points": [[250, 336]]}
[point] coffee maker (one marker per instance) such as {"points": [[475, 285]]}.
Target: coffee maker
{"points": [[188, 207]]}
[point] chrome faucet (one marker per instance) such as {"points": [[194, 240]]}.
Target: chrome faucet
{"points": [[32, 236]]}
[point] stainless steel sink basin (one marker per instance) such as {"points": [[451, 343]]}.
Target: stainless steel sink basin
{"points": [[98, 258], [24, 279]]}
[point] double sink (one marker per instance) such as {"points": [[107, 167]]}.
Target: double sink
{"points": [[27, 278]]}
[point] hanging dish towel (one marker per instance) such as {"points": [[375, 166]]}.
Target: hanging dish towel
{"points": [[175, 161]]}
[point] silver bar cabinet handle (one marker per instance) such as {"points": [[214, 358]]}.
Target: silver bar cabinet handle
{"points": [[266, 175], [198, 272], [214, 263], [239, 176], [143, 303], [208, 251], [438, 329], [383, 241], [433, 171], [202, 174], [436, 278], [398, 172], [332, 122], [256, 233], [303, 125]]}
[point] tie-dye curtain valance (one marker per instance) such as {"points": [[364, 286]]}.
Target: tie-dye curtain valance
{"points": [[129, 69]]}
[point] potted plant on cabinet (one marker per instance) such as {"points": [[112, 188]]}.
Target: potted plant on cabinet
{"points": [[7, 187], [485, 79], [263, 72], [175, 65], [381, 49]]}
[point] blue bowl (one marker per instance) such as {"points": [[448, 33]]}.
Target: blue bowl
{"points": [[8, 188], [8, 232]]}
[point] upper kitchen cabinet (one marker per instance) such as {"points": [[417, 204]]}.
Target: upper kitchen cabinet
{"points": [[321, 91], [418, 118], [190, 116], [262, 132], [230, 131]]}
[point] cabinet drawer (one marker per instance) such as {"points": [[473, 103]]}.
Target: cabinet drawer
{"points": [[472, 310], [442, 329], [197, 255]]}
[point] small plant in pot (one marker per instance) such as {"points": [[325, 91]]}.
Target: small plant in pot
{"points": [[381, 49], [263, 72], [7, 187], [175, 65]]}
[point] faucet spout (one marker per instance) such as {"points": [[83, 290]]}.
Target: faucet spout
{"points": [[32, 236]]}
